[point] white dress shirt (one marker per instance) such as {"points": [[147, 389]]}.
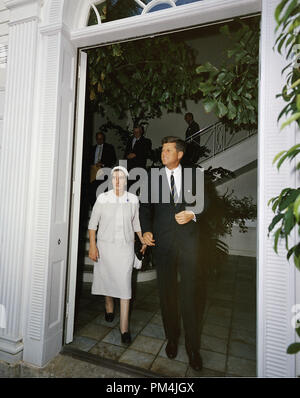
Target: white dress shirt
{"points": [[177, 180], [134, 141], [98, 153]]}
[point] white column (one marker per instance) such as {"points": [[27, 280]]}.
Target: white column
{"points": [[276, 277], [14, 168]]}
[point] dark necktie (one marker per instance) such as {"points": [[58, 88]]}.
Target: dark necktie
{"points": [[173, 189]]}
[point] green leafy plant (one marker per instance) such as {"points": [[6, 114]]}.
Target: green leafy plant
{"points": [[231, 91], [140, 81], [286, 205]]}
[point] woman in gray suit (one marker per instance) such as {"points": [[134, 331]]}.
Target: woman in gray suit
{"points": [[116, 215]]}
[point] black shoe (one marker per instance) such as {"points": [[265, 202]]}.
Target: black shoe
{"points": [[109, 316], [171, 349], [126, 338], [195, 360]]}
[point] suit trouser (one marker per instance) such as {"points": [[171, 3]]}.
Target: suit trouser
{"points": [[191, 290]]}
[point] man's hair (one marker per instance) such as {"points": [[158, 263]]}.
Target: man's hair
{"points": [[139, 126], [180, 144], [100, 132], [189, 114]]}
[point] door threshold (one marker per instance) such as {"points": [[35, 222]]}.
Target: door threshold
{"points": [[131, 370]]}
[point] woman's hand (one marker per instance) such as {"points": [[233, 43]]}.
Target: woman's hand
{"points": [[94, 253]]}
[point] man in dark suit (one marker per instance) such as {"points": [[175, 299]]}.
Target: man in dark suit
{"points": [[173, 232], [138, 149], [193, 127], [101, 155]]}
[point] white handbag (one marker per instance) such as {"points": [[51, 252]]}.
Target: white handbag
{"points": [[137, 263]]}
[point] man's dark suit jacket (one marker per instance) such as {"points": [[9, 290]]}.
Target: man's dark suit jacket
{"points": [[192, 129], [142, 149], [159, 218], [108, 155]]}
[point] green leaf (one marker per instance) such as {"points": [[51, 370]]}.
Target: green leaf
{"points": [[293, 118], [293, 348], [298, 330], [297, 261], [296, 209], [222, 109], [275, 220], [290, 252], [289, 11], [288, 199], [295, 84], [276, 237], [209, 105], [289, 221], [278, 156], [278, 10], [298, 102], [281, 160]]}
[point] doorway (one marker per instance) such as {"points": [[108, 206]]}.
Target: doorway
{"points": [[94, 335]]}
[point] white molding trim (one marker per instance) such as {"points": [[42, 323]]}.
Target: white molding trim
{"points": [[23, 10], [191, 15], [275, 276], [19, 99], [55, 28]]}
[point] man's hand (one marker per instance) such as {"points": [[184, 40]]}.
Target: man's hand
{"points": [[148, 239], [184, 217], [131, 155], [93, 253], [143, 249]]}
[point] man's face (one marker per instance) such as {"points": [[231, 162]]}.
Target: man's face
{"points": [[169, 155], [99, 139], [188, 119], [137, 132]]}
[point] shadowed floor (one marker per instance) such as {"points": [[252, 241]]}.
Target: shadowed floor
{"points": [[228, 343]]}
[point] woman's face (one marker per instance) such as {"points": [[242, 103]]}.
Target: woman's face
{"points": [[119, 180]]}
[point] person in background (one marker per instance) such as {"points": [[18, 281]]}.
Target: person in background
{"points": [[192, 151], [101, 155], [138, 149], [193, 127]]}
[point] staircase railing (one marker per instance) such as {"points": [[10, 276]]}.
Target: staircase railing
{"points": [[218, 139]]}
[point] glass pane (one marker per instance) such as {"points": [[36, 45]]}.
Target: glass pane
{"points": [[112, 10]]}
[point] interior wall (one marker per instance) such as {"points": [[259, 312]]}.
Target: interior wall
{"points": [[239, 243], [243, 185]]}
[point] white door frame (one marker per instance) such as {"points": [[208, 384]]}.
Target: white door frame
{"points": [[76, 197], [99, 35]]}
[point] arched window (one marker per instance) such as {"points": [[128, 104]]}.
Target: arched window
{"points": [[112, 10]]}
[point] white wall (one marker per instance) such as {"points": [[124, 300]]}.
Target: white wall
{"points": [[242, 244], [3, 42]]}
